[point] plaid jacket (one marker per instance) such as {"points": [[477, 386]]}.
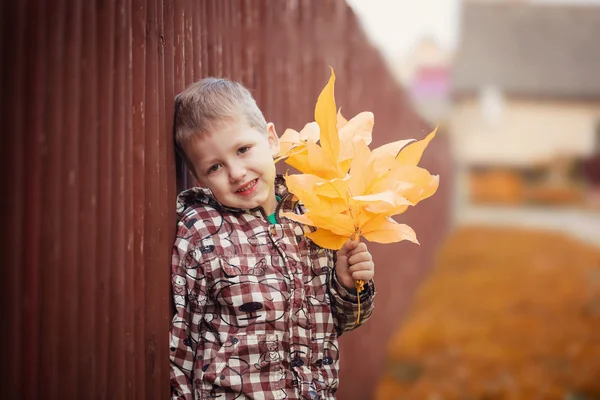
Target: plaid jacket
{"points": [[258, 306]]}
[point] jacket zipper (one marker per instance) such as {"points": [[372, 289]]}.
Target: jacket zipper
{"points": [[278, 207]]}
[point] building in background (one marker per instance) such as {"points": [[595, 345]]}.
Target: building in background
{"points": [[525, 124]]}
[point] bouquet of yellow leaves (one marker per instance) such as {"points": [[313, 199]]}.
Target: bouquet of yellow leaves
{"points": [[348, 190]]}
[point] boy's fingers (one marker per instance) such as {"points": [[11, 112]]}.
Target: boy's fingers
{"points": [[348, 247], [359, 248], [361, 266], [344, 250], [353, 244], [358, 257], [364, 275]]}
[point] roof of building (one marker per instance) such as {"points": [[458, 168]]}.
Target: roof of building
{"points": [[533, 50]]}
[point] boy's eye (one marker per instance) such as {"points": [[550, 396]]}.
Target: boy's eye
{"points": [[213, 168], [244, 149]]}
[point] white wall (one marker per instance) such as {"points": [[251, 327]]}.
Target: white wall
{"points": [[496, 131]]}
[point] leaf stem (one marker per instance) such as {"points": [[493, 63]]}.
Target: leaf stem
{"points": [[359, 284]]}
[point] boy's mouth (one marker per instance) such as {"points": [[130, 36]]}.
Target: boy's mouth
{"points": [[247, 187]]}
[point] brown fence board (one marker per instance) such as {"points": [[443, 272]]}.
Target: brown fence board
{"points": [[138, 126], [88, 196]]}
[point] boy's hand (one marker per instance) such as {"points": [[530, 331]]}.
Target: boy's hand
{"points": [[354, 262]]}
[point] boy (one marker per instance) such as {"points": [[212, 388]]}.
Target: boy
{"points": [[259, 307]]}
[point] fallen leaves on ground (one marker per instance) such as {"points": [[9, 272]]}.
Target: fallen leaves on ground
{"points": [[506, 314]]}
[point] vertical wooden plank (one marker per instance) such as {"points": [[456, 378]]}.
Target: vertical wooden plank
{"points": [[190, 75], [88, 201], [211, 23], [179, 80], [216, 31], [263, 86], [68, 269], [219, 27], [168, 151], [151, 188], [226, 29], [197, 40], [105, 42], [177, 31], [13, 20], [236, 53], [204, 39], [135, 381], [31, 166], [138, 115], [188, 43], [237, 41], [118, 376], [306, 68], [51, 192], [170, 184], [298, 117], [249, 41], [159, 278]]}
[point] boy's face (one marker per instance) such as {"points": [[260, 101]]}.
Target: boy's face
{"points": [[235, 162]]}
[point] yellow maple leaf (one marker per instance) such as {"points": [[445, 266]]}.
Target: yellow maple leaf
{"points": [[359, 128], [323, 236], [401, 152], [325, 116], [292, 142]]}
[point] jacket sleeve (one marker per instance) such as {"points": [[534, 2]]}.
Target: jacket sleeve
{"points": [[189, 309], [345, 305]]}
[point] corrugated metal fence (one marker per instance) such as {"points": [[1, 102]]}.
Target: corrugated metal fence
{"points": [[88, 172]]}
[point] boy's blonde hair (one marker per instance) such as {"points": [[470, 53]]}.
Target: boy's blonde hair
{"points": [[207, 104]]}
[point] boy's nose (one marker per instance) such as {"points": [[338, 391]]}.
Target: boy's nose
{"points": [[237, 172]]}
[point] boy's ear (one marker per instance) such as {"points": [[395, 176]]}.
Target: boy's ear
{"points": [[273, 139]]}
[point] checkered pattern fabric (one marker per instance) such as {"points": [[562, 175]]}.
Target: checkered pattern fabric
{"points": [[258, 307]]}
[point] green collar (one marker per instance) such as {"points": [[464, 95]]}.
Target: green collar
{"points": [[271, 217]]}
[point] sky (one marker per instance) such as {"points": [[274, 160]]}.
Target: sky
{"points": [[396, 25]]}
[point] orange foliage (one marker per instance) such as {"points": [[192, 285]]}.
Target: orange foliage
{"points": [[507, 314], [557, 195], [499, 187], [509, 188]]}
